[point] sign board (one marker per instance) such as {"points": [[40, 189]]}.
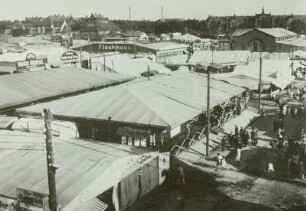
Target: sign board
{"points": [[32, 200], [8, 204], [70, 54], [30, 56], [31, 63]]}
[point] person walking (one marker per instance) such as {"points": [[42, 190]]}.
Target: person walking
{"points": [[254, 136], [236, 131], [271, 169], [218, 160], [231, 139], [180, 181], [238, 157], [223, 142], [246, 137], [223, 163]]}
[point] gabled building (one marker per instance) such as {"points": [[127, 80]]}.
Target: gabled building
{"points": [[268, 39], [60, 26]]}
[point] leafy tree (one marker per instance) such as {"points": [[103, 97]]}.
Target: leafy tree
{"points": [[18, 32], [298, 26]]}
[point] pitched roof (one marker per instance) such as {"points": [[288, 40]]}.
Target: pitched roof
{"points": [[239, 32], [220, 57], [188, 37], [81, 164], [269, 56], [134, 67], [58, 23], [298, 42], [164, 101], [163, 45], [17, 89], [277, 72], [277, 32]]}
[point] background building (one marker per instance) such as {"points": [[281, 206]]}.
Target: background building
{"points": [[268, 39]]}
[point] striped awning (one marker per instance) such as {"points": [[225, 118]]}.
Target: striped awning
{"points": [[92, 204]]}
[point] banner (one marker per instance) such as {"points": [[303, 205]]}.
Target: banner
{"points": [[70, 54], [31, 63]]}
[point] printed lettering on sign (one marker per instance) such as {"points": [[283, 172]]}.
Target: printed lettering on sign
{"points": [[69, 55], [30, 63]]}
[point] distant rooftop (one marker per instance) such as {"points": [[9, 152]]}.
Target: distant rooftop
{"points": [[163, 45], [23, 88], [220, 57], [277, 32], [297, 42], [239, 32]]}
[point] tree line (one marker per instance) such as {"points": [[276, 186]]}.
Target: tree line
{"points": [[202, 28]]}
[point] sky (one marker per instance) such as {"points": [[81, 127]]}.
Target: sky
{"points": [[147, 9]]}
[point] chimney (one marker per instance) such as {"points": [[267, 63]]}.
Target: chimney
{"points": [[130, 14], [162, 13]]}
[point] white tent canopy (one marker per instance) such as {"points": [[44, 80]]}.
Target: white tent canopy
{"points": [[276, 72]]}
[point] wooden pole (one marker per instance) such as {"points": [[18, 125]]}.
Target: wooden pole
{"points": [[208, 104], [104, 62], [292, 55], [50, 161], [259, 85]]}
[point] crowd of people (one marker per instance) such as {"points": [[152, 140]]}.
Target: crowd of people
{"points": [[292, 151], [238, 139], [226, 111], [300, 73]]}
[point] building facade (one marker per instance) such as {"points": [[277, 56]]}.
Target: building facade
{"points": [[268, 39]]}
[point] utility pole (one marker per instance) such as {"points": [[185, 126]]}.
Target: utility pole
{"points": [[50, 161], [208, 103], [292, 52], [81, 59], [259, 85], [104, 62]]}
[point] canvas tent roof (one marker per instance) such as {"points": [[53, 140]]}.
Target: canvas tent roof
{"points": [[297, 42], [163, 45], [188, 37], [134, 67], [220, 57], [277, 72], [83, 166], [18, 89], [269, 56], [164, 101], [52, 53]]}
